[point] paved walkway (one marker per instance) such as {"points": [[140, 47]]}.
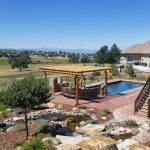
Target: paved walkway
{"points": [[127, 112], [112, 102]]}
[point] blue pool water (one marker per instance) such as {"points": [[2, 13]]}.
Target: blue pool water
{"points": [[122, 86]]}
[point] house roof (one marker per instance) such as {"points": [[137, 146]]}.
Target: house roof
{"points": [[74, 69], [143, 48]]}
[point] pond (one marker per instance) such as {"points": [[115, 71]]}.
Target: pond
{"points": [[72, 120]]}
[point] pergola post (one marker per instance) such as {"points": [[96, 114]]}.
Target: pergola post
{"points": [[45, 73], [77, 89], [106, 82]]}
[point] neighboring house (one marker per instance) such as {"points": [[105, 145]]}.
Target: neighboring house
{"points": [[138, 54]]}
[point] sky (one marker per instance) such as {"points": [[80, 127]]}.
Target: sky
{"points": [[73, 24]]}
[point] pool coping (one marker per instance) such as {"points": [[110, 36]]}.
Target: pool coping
{"points": [[117, 80]]}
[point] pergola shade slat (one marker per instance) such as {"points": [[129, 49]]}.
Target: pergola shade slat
{"points": [[76, 70]]}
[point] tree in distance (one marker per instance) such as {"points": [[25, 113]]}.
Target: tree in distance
{"points": [[114, 54], [74, 58], [85, 59], [19, 62], [101, 56], [104, 55]]}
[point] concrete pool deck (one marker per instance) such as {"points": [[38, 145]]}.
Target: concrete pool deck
{"points": [[110, 102], [121, 105]]}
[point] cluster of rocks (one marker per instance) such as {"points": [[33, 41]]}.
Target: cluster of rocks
{"points": [[95, 137], [6, 123], [74, 112], [52, 110], [88, 134]]}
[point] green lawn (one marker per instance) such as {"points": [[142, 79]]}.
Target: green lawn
{"points": [[8, 75], [56, 59]]}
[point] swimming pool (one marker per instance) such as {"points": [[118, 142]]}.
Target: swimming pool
{"points": [[122, 86]]}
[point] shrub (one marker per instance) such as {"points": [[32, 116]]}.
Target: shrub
{"points": [[38, 124], [141, 77], [4, 114], [42, 126], [130, 71], [47, 140], [70, 119], [3, 107], [46, 128], [35, 144], [19, 127], [131, 122], [104, 112], [115, 71], [54, 118]]}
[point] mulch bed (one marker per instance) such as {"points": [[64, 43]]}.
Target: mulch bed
{"points": [[8, 140], [108, 117]]}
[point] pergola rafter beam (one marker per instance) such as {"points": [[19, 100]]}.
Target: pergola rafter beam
{"points": [[76, 70]]}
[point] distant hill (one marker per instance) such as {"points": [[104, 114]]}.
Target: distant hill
{"points": [[67, 50]]}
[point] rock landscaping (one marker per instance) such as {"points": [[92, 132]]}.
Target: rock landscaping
{"points": [[75, 128]]}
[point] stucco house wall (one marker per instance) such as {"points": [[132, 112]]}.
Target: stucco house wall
{"points": [[138, 53], [146, 60]]}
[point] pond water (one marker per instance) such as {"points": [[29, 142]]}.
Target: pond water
{"points": [[73, 120]]}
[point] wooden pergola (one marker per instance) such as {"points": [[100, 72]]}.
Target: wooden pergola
{"points": [[76, 71]]}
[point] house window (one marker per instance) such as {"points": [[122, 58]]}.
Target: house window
{"points": [[129, 58]]}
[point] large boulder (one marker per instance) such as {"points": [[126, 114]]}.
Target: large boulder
{"points": [[126, 143], [60, 106], [51, 105], [131, 144], [82, 123], [142, 137], [9, 110], [90, 122], [110, 147], [91, 129], [18, 119], [69, 139], [52, 140], [146, 126], [10, 129], [138, 146], [2, 125], [56, 127], [97, 142], [64, 131]]}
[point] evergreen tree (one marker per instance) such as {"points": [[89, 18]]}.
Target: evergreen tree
{"points": [[101, 57], [25, 93], [115, 71], [85, 59], [74, 58], [130, 71], [114, 54]]}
